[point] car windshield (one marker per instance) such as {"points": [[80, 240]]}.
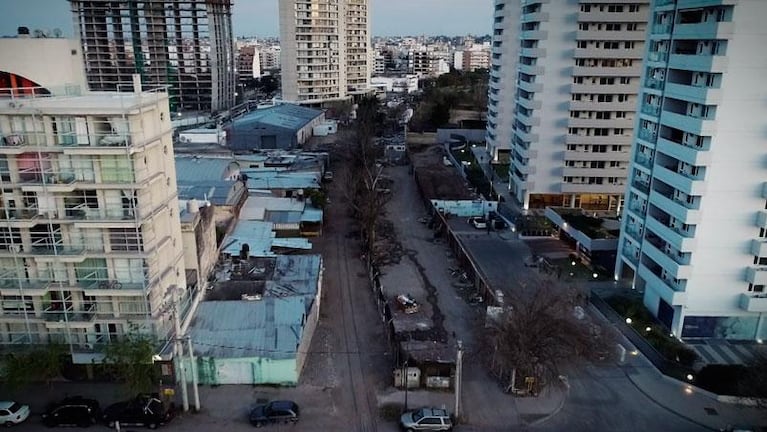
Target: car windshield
{"points": [[15, 407], [417, 415]]}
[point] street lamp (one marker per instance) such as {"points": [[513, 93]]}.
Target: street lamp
{"points": [[628, 320], [689, 377], [595, 275], [648, 329]]}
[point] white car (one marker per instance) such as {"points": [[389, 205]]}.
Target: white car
{"points": [[478, 222], [12, 413]]}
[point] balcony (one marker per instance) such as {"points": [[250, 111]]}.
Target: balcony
{"points": [[631, 254], [673, 268], [526, 136], [601, 53], [664, 290], [605, 188], [530, 69], [756, 275], [113, 288], [56, 313], [660, 29], [624, 123], [643, 187], [653, 110], [657, 56], [533, 34], [759, 248], [533, 17], [676, 208], [692, 93], [635, 232], [529, 86], [532, 52], [654, 83], [629, 71], [602, 17], [690, 155], [606, 140], [680, 181], [696, 125], [529, 120], [603, 88], [622, 35], [647, 135], [532, 104], [677, 238], [704, 30], [761, 219], [585, 105], [764, 190], [753, 302], [643, 160], [703, 63], [596, 172]]}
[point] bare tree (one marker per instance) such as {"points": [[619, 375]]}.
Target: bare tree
{"points": [[546, 328], [367, 200]]}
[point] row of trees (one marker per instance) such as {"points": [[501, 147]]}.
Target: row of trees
{"points": [[127, 361], [456, 89]]}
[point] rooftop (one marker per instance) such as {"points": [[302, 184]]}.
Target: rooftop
{"points": [[261, 239], [203, 168], [15, 101]]}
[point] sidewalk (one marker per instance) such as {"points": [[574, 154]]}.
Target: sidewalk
{"points": [[692, 403]]}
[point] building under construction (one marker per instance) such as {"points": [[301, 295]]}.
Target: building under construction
{"points": [[184, 44]]}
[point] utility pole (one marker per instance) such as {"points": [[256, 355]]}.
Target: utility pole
{"points": [[458, 377], [179, 350], [193, 367]]}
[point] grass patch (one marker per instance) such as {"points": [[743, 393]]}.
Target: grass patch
{"points": [[658, 335], [534, 226]]}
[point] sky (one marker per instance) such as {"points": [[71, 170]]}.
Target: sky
{"points": [[259, 17]]}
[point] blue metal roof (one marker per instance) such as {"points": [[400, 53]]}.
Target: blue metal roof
{"points": [[270, 328], [285, 116], [196, 168]]}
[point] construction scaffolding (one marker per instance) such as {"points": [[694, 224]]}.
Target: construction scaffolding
{"points": [[186, 45]]}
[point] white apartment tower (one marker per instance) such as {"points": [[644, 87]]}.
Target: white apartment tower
{"points": [[562, 108], [325, 49], [694, 235], [91, 238]]}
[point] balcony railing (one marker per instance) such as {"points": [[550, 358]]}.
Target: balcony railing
{"points": [[651, 109], [654, 83], [642, 186], [644, 160], [647, 135], [661, 28], [56, 312], [657, 56]]}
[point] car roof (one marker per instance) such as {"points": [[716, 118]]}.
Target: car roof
{"points": [[282, 404], [434, 412], [6, 404]]}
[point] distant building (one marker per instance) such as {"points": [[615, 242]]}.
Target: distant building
{"points": [[248, 63], [184, 44], [475, 59], [326, 53], [561, 109]]}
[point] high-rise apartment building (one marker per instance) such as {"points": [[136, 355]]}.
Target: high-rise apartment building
{"points": [[694, 235], [325, 49], [186, 45], [91, 237], [561, 108], [359, 51]]}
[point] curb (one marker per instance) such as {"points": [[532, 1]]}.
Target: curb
{"points": [[559, 407]]}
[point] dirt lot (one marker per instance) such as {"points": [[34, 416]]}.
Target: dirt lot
{"points": [[434, 179]]}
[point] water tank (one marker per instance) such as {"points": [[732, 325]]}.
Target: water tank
{"points": [[192, 206]]}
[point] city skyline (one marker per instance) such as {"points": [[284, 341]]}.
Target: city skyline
{"points": [[258, 18]]}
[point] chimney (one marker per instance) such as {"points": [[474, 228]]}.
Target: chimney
{"points": [[136, 83]]}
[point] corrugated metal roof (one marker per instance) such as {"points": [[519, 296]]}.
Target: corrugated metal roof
{"points": [[271, 328], [285, 116], [284, 180], [260, 239], [218, 192], [200, 168], [283, 217], [255, 207], [311, 214]]}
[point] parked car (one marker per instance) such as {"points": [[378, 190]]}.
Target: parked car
{"points": [[478, 222], [72, 411], [426, 419], [143, 410], [12, 413], [275, 412]]}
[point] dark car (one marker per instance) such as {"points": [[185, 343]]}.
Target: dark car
{"points": [[72, 411], [274, 412], [143, 410]]}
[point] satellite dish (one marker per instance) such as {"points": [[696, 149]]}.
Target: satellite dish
{"points": [[57, 33]]}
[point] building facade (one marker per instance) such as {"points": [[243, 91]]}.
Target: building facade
{"points": [[562, 109], [694, 235], [325, 49], [91, 238], [184, 44]]}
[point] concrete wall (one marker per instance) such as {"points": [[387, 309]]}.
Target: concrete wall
{"points": [[465, 208], [245, 370]]}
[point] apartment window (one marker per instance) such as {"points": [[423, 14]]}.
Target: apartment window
{"points": [[760, 260], [615, 8], [620, 114], [599, 149], [611, 45], [597, 164], [755, 288], [604, 98], [613, 27], [606, 81], [585, 8], [568, 179], [125, 239], [16, 304], [601, 132], [603, 115], [615, 148], [583, 26], [762, 233], [615, 164], [634, 8], [631, 26], [582, 44]]}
